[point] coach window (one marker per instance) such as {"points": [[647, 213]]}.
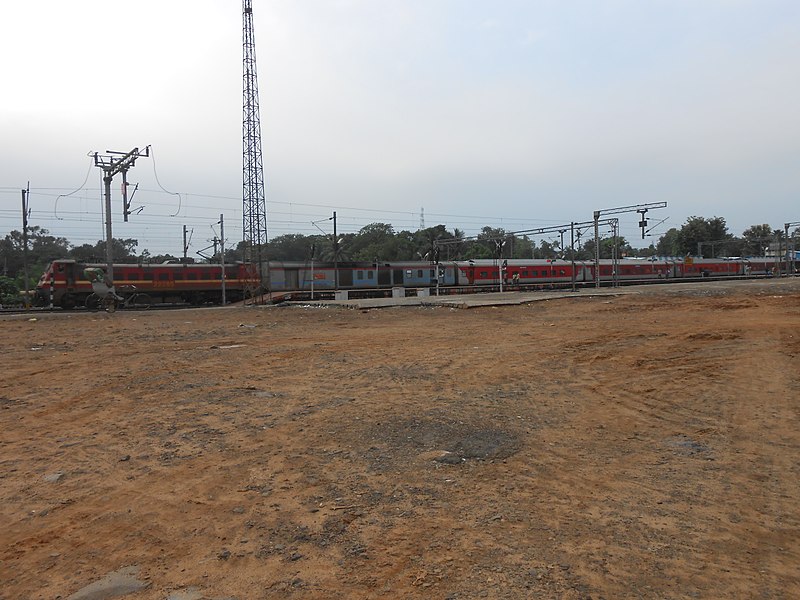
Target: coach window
{"points": [[359, 275], [484, 274], [163, 276], [191, 276], [409, 273], [133, 276], [369, 274], [419, 273], [177, 276]]}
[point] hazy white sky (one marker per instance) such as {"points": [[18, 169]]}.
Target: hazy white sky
{"points": [[510, 113]]}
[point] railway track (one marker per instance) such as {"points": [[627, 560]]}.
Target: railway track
{"points": [[43, 310]]}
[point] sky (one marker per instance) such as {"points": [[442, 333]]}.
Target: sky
{"points": [[511, 113]]}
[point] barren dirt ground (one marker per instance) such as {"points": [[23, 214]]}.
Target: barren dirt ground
{"points": [[641, 446]]}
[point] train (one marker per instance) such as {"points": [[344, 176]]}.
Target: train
{"points": [[524, 273], [66, 285]]}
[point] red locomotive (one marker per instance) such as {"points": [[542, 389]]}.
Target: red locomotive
{"points": [[196, 284]]}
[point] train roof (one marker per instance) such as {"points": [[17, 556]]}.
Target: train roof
{"points": [[167, 265]]}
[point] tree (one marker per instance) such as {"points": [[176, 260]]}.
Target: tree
{"points": [[478, 251], [523, 247], [159, 259], [87, 253], [697, 233], [669, 243], [547, 250], [425, 239], [325, 248], [649, 251], [292, 246], [456, 248], [123, 250], [607, 247], [43, 248], [375, 241], [491, 242], [755, 239]]}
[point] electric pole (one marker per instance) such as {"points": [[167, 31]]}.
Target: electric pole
{"points": [[335, 255], [113, 163], [791, 254], [25, 196], [185, 247], [222, 253]]}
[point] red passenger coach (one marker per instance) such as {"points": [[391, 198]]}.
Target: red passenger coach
{"points": [[164, 283], [517, 271]]}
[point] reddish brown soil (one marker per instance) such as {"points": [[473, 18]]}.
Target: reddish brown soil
{"points": [[642, 446]]}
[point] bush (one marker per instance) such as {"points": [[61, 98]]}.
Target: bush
{"points": [[9, 292]]}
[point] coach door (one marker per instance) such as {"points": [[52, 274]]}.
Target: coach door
{"points": [[71, 276], [290, 279], [384, 276], [397, 276], [346, 277]]}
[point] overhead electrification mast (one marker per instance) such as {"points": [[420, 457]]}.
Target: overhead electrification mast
{"points": [[639, 208], [254, 214], [113, 163]]}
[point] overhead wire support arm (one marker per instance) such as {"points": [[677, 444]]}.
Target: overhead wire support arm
{"points": [[537, 231], [648, 232], [638, 208], [559, 229], [112, 166], [632, 208]]}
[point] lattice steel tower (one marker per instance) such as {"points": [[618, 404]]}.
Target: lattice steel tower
{"points": [[254, 225]]}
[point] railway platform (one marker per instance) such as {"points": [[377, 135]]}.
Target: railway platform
{"points": [[512, 298], [515, 298]]}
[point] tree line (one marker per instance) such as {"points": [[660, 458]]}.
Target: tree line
{"points": [[699, 236], [377, 242]]}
